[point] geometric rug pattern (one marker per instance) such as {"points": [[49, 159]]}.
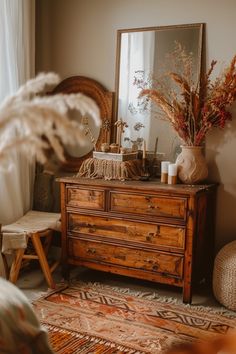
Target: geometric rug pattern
{"points": [[91, 318]]}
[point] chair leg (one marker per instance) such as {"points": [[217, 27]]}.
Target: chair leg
{"points": [[4, 271], [15, 267], [47, 241], [42, 259]]}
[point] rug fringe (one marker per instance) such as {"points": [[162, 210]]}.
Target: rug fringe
{"points": [[96, 340], [222, 311]]}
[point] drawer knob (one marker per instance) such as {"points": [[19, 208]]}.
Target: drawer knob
{"points": [[150, 206], [150, 236], [150, 261], [91, 250], [92, 228]]}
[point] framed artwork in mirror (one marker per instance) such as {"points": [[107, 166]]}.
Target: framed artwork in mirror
{"points": [[144, 53], [96, 136]]}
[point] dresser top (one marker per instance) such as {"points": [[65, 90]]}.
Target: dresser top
{"points": [[152, 185]]}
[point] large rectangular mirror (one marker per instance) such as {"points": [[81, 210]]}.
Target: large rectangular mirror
{"points": [[150, 52]]}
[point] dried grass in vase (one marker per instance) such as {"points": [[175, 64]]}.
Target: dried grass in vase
{"points": [[193, 110]]}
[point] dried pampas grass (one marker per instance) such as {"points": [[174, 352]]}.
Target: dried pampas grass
{"points": [[35, 122]]}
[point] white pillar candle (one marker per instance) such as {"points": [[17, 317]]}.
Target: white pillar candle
{"points": [[172, 173], [172, 169], [164, 166], [164, 171]]}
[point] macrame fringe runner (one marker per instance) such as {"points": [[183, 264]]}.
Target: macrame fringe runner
{"points": [[109, 169]]}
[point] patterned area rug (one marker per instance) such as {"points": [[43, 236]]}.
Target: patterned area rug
{"points": [[91, 318]]}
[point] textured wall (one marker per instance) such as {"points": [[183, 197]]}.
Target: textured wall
{"points": [[78, 37]]}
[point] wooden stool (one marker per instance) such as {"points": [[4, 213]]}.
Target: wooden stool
{"points": [[4, 271], [37, 227]]}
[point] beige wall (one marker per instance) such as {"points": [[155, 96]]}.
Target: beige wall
{"points": [[78, 37]]}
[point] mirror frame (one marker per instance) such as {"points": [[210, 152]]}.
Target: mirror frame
{"points": [[104, 100], [201, 57]]}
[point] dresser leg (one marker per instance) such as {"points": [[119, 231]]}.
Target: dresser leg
{"points": [[187, 293], [65, 271]]}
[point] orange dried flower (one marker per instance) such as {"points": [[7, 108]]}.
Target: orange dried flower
{"points": [[196, 110]]}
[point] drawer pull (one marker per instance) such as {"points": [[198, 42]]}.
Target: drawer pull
{"points": [[123, 258], [150, 206], [92, 196], [155, 267], [92, 228], [150, 236], [91, 250], [148, 260]]}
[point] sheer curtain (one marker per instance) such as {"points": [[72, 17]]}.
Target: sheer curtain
{"points": [[137, 55], [17, 48]]}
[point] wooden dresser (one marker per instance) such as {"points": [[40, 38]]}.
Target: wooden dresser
{"points": [[145, 230]]}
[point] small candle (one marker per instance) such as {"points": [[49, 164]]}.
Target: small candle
{"points": [[172, 173], [172, 169], [164, 166], [164, 171]]}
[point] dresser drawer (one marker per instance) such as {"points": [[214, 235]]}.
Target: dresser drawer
{"points": [[163, 263], [152, 205], [85, 198], [120, 229]]}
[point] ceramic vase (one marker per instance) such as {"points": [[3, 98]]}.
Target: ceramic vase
{"points": [[192, 166]]}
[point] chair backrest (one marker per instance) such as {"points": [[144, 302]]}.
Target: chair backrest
{"points": [[46, 192]]}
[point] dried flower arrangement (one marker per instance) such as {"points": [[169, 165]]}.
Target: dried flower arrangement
{"points": [[193, 109], [40, 120]]}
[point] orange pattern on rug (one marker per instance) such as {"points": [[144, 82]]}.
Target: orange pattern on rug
{"points": [[93, 318]]}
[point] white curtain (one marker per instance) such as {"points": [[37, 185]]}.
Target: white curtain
{"points": [[17, 58], [137, 55]]}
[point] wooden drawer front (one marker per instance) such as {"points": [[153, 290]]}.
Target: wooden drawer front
{"points": [[86, 198], [166, 264], [150, 234], [148, 205]]}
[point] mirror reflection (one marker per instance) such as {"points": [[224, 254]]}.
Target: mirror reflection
{"points": [[152, 52]]}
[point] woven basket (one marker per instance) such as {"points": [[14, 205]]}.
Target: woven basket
{"points": [[224, 276]]}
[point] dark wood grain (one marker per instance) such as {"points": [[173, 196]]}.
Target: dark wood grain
{"points": [[145, 230]]}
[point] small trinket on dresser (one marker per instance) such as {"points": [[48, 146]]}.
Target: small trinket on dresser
{"points": [[105, 147], [114, 148]]}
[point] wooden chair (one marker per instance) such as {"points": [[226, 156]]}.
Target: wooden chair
{"points": [[4, 271], [34, 230]]}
